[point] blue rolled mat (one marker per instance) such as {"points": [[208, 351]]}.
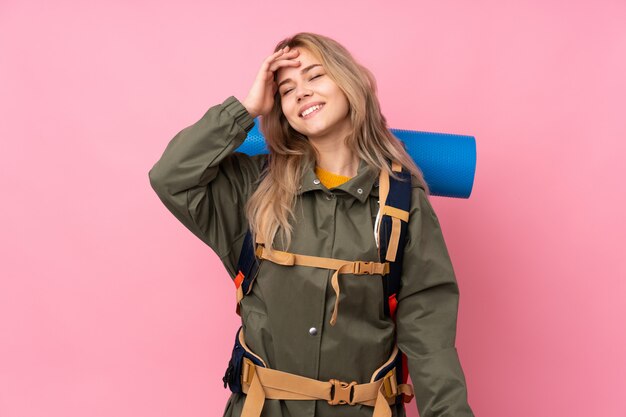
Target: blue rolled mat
{"points": [[448, 161]]}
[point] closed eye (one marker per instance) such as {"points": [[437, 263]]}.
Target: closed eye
{"points": [[287, 91]]}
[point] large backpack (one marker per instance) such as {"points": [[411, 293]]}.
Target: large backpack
{"points": [[398, 197]]}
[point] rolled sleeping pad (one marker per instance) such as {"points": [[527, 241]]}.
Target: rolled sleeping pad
{"points": [[447, 161]]}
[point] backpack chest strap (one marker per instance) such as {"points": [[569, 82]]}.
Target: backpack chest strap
{"points": [[340, 266]]}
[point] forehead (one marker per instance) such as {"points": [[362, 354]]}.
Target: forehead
{"points": [[305, 57]]}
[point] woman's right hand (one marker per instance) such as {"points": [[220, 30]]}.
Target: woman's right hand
{"points": [[260, 98]]}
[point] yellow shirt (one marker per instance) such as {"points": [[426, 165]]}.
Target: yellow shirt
{"points": [[329, 179]]}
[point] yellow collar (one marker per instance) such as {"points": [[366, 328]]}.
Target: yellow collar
{"points": [[329, 179]]}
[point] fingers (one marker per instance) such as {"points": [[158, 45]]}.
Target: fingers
{"points": [[280, 56], [272, 57], [283, 63], [287, 59]]}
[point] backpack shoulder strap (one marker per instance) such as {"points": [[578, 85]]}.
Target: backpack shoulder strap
{"points": [[392, 236], [394, 204], [248, 264]]}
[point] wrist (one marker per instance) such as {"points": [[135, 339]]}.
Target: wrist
{"points": [[250, 110]]}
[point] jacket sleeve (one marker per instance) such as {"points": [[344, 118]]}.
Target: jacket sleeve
{"points": [[426, 316], [205, 184]]}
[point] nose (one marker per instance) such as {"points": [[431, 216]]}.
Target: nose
{"points": [[302, 92]]}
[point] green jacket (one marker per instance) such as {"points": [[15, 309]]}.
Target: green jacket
{"points": [[205, 184]]}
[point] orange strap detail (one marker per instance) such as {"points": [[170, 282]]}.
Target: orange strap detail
{"points": [[393, 304], [239, 279], [239, 293]]}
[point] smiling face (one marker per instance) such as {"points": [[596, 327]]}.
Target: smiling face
{"points": [[308, 88]]}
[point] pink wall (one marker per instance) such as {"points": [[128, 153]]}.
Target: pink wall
{"points": [[109, 307]]}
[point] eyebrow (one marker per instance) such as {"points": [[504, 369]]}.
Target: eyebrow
{"points": [[304, 71]]}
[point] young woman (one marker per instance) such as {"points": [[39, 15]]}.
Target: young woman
{"points": [[312, 313]]}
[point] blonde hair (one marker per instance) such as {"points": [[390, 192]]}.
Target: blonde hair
{"points": [[271, 205]]}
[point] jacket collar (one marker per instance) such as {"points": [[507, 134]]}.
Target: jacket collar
{"points": [[365, 180]]}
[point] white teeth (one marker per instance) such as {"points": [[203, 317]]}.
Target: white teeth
{"points": [[311, 109]]}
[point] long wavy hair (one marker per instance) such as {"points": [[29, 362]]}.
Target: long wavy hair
{"points": [[271, 206]]}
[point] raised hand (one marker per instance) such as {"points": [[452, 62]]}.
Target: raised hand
{"points": [[260, 98]]}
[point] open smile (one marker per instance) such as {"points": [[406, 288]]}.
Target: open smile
{"points": [[312, 111]]}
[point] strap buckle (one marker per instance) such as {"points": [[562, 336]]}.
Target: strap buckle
{"points": [[364, 267], [371, 267], [247, 371], [341, 392], [390, 385]]}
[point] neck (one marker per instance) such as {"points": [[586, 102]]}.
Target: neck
{"points": [[334, 155], [340, 161]]}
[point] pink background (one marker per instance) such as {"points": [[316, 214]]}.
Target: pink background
{"points": [[110, 307]]}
